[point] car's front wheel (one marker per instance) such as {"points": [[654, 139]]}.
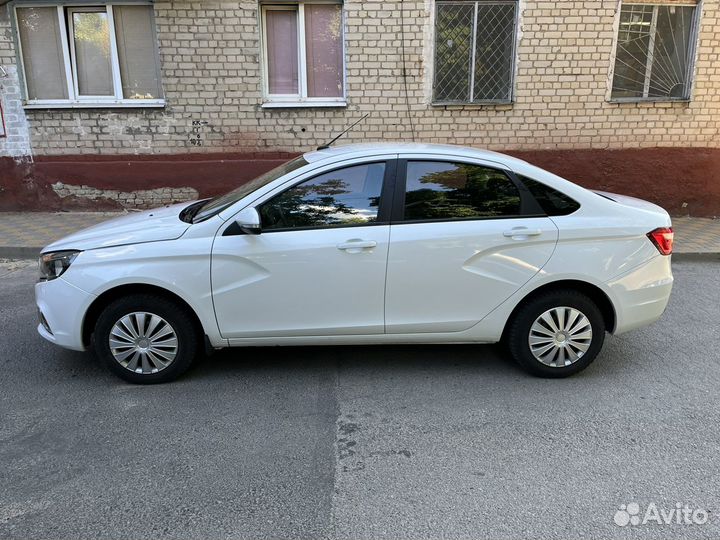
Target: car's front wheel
{"points": [[146, 339], [556, 334]]}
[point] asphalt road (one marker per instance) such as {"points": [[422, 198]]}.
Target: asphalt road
{"points": [[376, 442]]}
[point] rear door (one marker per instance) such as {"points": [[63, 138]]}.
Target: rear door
{"points": [[465, 236]]}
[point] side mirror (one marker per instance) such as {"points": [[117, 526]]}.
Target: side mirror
{"points": [[249, 221]]}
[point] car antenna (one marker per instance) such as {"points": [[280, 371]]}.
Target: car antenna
{"points": [[326, 146]]}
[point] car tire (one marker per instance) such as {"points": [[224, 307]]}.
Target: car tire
{"points": [[556, 334], [146, 339]]}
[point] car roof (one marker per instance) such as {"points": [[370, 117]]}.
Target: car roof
{"points": [[369, 149]]}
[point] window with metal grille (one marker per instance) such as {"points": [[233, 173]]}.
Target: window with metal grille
{"points": [[474, 51], [654, 53]]}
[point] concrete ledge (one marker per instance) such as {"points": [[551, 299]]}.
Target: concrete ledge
{"points": [[694, 257], [15, 252]]}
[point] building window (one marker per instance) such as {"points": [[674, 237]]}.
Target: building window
{"points": [[654, 53], [474, 51], [89, 55], [303, 54]]}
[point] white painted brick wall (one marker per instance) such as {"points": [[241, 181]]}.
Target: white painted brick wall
{"points": [[16, 142], [210, 54]]}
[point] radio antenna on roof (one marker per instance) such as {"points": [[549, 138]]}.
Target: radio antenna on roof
{"points": [[328, 145]]}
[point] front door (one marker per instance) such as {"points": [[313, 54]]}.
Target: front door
{"points": [[318, 266], [463, 240]]}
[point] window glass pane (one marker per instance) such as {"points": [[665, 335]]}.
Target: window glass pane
{"points": [[632, 51], [282, 51], [550, 200], [40, 39], [91, 36], [439, 190], [453, 51], [349, 196], [494, 49], [671, 52], [137, 52], [323, 45]]}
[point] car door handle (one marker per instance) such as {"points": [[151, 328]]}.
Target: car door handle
{"points": [[521, 231], [357, 245]]}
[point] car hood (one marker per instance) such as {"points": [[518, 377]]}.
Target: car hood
{"points": [[150, 226]]}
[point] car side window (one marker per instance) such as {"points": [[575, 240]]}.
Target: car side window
{"points": [[343, 197], [553, 202], [444, 190]]}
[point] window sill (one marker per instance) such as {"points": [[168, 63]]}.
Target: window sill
{"points": [[648, 100], [101, 104], [472, 105], [302, 104]]}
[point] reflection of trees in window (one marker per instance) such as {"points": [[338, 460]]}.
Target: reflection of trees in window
{"points": [[445, 190], [92, 28], [326, 201]]}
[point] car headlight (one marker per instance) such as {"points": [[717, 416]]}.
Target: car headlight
{"points": [[52, 265]]}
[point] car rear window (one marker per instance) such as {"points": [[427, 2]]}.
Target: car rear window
{"points": [[553, 202]]}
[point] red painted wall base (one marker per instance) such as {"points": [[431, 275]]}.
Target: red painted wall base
{"points": [[685, 181]]}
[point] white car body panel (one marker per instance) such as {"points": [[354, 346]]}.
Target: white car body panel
{"points": [[447, 282], [445, 277], [290, 283], [181, 267], [64, 306], [133, 228]]}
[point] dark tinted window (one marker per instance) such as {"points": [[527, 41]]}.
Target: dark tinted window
{"points": [[349, 196], [441, 190], [550, 200]]}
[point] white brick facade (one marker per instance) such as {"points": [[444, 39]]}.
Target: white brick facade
{"points": [[210, 56]]}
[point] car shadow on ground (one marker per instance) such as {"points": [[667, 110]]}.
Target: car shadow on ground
{"points": [[473, 360], [480, 360]]}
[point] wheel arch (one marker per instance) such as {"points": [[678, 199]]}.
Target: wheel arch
{"points": [[120, 291], [595, 293]]}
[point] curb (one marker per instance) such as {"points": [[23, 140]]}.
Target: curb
{"points": [[24, 252], [696, 257], [19, 252]]}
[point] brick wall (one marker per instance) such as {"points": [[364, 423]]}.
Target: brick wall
{"points": [[211, 74], [16, 142], [210, 56]]}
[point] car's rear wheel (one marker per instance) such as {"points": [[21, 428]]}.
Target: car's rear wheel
{"points": [[556, 334], [146, 339]]}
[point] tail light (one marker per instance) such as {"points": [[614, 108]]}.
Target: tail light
{"points": [[663, 239]]}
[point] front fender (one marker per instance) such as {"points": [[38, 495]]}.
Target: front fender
{"points": [[180, 266]]}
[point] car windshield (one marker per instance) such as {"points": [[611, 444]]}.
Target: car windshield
{"points": [[218, 204]]}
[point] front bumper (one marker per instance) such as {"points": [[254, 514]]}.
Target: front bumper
{"points": [[63, 307], [641, 295]]}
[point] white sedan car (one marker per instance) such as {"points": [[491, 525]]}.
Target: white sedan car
{"points": [[364, 244]]}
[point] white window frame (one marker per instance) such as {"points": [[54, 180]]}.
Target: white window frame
{"points": [[300, 99], [75, 100], [692, 45]]}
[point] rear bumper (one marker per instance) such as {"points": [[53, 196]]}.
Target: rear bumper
{"points": [[63, 306], [641, 295]]}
